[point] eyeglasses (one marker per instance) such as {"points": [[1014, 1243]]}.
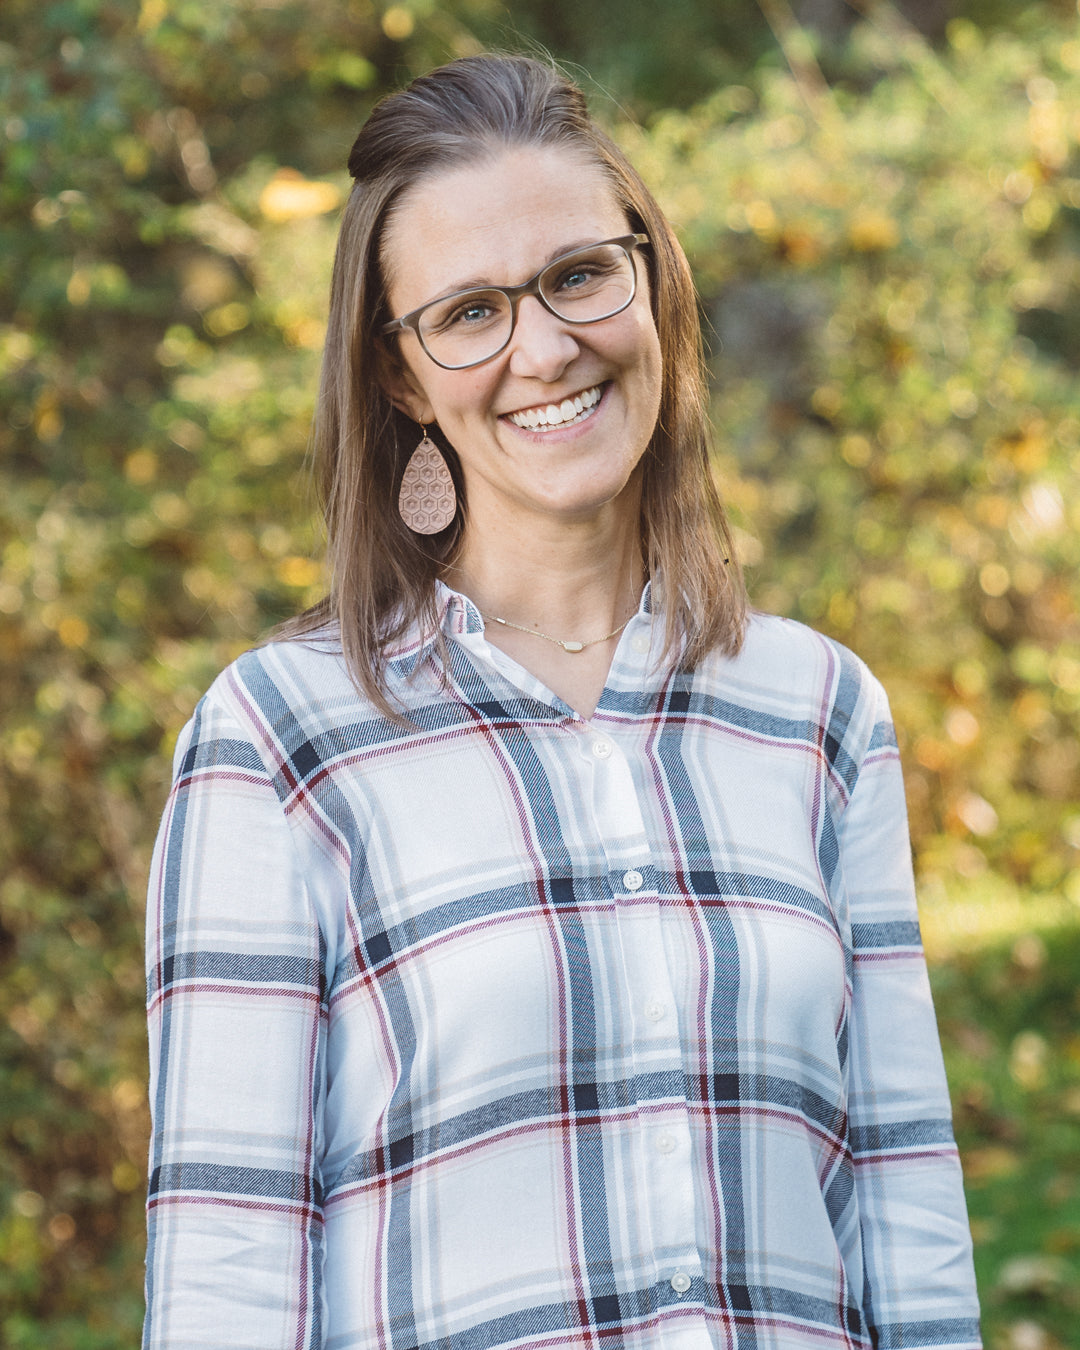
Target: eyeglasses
{"points": [[470, 327]]}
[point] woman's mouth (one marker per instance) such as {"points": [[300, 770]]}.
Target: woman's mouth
{"points": [[556, 416]]}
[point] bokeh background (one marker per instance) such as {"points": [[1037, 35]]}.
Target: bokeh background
{"points": [[882, 205]]}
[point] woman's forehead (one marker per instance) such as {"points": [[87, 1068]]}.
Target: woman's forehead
{"points": [[495, 221]]}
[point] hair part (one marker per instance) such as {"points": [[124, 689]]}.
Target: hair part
{"points": [[382, 575]]}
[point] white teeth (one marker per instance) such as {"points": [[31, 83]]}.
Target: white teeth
{"points": [[570, 410]]}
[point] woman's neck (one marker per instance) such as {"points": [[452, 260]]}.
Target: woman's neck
{"points": [[584, 583], [556, 604]]}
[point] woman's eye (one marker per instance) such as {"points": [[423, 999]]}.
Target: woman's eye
{"points": [[468, 315], [576, 278]]}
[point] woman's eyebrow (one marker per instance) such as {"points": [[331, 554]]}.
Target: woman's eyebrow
{"points": [[482, 283]]}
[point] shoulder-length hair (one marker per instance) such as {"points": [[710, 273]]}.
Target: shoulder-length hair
{"points": [[382, 575]]}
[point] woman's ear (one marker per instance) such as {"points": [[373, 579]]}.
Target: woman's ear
{"points": [[401, 387]]}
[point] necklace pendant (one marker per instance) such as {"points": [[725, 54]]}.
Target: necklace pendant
{"points": [[572, 646]]}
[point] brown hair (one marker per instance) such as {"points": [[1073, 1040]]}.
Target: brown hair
{"points": [[382, 574]]}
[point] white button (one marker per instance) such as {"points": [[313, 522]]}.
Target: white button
{"points": [[655, 1010], [633, 881], [666, 1143], [641, 644], [601, 749], [680, 1282]]}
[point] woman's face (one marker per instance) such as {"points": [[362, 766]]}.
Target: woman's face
{"points": [[497, 222]]}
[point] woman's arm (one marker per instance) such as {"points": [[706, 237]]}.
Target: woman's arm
{"points": [[919, 1281], [236, 1054]]}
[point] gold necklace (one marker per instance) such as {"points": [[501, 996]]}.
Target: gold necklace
{"points": [[570, 645]]}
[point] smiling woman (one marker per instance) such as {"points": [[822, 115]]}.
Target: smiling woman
{"points": [[548, 438], [532, 950]]}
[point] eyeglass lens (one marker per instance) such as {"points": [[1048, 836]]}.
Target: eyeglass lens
{"points": [[593, 283]]}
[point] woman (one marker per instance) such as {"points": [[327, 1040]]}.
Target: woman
{"points": [[533, 957]]}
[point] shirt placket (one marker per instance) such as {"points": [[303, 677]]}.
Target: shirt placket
{"points": [[658, 1157]]}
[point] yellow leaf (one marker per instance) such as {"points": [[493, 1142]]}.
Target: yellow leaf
{"points": [[299, 572], [872, 231], [291, 196]]}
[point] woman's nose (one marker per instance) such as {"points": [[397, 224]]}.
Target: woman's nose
{"points": [[542, 345]]}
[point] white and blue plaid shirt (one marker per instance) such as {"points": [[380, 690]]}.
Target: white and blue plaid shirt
{"points": [[514, 1029]]}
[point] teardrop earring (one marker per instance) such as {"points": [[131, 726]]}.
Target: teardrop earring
{"points": [[427, 501]]}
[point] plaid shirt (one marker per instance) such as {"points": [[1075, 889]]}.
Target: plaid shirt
{"points": [[514, 1029]]}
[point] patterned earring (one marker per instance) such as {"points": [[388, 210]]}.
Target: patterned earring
{"points": [[427, 502]]}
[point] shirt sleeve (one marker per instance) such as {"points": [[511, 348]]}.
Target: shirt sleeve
{"points": [[236, 1025], [919, 1279]]}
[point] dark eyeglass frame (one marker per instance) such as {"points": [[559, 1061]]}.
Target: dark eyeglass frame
{"points": [[515, 294]]}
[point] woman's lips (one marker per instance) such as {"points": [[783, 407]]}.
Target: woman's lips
{"points": [[555, 416]]}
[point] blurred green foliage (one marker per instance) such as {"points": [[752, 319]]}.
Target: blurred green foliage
{"points": [[887, 247]]}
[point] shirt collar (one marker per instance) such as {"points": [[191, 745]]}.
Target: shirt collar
{"points": [[455, 616]]}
